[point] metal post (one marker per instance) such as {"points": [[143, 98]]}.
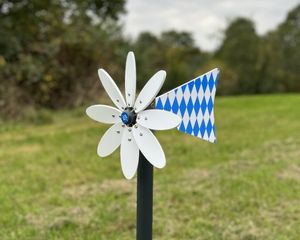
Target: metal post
{"points": [[144, 199]]}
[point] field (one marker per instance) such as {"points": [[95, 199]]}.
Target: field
{"points": [[247, 186]]}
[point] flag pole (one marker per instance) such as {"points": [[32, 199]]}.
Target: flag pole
{"points": [[144, 199]]}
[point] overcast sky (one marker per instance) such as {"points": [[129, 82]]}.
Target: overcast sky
{"points": [[204, 18]]}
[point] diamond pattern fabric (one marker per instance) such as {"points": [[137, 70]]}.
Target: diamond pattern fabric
{"points": [[193, 102]]}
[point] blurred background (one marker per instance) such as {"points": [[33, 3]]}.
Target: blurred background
{"points": [[52, 183], [50, 50]]}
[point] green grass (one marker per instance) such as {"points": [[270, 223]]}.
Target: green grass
{"points": [[247, 186]]}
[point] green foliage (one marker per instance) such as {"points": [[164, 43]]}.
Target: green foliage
{"points": [[282, 54], [228, 78], [173, 51], [263, 64], [50, 52], [240, 51], [249, 63], [247, 186]]}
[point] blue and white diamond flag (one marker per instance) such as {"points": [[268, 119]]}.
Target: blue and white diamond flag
{"points": [[193, 102]]}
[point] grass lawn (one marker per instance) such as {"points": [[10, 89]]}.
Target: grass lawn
{"points": [[247, 186]]}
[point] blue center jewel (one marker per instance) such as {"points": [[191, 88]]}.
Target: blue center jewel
{"points": [[125, 117], [128, 116]]}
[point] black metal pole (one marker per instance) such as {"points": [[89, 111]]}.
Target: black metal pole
{"points": [[144, 199]]}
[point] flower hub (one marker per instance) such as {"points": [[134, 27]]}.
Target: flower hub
{"points": [[128, 116]]}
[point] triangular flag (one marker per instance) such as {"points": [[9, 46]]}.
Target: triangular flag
{"points": [[193, 102]]}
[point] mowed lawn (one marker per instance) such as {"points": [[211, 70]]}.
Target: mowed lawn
{"points": [[247, 186]]}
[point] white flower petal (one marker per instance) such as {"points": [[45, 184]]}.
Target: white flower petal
{"points": [[158, 119], [149, 146], [112, 89], [104, 113], [150, 90], [111, 140], [130, 79], [129, 154]]}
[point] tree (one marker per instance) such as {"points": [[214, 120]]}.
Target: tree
{"points": [[177, 39], [228, 79], [49, 49], [240, 52], [173, 51], [282, 54]]}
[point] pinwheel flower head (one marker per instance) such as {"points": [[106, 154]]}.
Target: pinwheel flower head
{"points": [[131, 122]]}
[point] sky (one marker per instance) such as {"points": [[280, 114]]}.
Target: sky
{"points": [[205, 19]]}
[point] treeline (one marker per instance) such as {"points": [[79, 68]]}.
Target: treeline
{"points": [[50, 53]]}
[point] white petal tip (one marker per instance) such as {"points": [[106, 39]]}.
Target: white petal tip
{"points": [[131, 53], [101, 72], [128, 177], [89, 111], [101, 154], [178, 121], [163, 73], [161, 165]]}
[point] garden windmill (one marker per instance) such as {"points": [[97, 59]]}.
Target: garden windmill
{"points": [[188, 107]]}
